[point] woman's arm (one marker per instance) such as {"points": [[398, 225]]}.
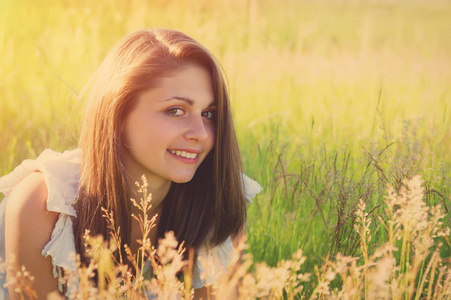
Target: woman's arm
{"points": [[29, 227]]}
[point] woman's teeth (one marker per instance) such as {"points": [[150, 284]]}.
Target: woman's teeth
{"points": [[184, 153]]}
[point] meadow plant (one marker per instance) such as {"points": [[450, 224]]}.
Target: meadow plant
{"points": [[23, 281], [408, 260], [408, 265]]}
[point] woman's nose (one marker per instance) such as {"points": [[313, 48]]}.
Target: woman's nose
{"points": [[197, 129]]}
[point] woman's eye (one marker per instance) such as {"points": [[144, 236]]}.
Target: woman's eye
{"points": [[175, 111], [209, 114]]}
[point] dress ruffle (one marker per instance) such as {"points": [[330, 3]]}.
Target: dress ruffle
{"points": [[211, 263], [251, 188]]}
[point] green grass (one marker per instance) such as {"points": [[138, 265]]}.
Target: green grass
{"points": [[331, 99]]}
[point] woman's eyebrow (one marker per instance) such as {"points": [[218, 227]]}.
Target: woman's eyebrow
{"points": [[188, 100], [185, 99]]}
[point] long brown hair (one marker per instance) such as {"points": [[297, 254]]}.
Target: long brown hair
{"points": [[204, 211]]}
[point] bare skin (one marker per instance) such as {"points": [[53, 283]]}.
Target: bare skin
{"points": [[29, 226]]}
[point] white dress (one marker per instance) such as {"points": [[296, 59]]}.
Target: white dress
{"points": [[61, 174]]}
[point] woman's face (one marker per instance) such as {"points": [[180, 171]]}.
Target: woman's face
{"points": [[171, 127]]}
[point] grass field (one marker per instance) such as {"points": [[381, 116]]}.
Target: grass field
{"points": [[332, 100]]}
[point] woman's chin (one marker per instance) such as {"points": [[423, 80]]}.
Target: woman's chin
{"points": [[182, 179]]}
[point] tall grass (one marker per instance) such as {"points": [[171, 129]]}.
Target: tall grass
{"points": [[332, 100], [407, 266]]}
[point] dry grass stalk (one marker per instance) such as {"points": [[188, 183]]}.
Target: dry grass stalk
{"points": [[402, 268]]}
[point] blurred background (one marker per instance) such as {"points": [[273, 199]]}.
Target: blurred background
{"points": [[332, 99]]}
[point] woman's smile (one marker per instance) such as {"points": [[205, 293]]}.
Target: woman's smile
{"points": [[186, 156]]}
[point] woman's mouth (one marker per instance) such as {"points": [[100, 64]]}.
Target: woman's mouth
{"points": [[185, 154]]}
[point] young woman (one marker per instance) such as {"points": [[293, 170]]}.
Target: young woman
{"points": [[158, 106]]}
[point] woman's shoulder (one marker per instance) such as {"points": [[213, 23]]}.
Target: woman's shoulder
{"points": [[59, 176], [27, 204], [29, 194]]}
